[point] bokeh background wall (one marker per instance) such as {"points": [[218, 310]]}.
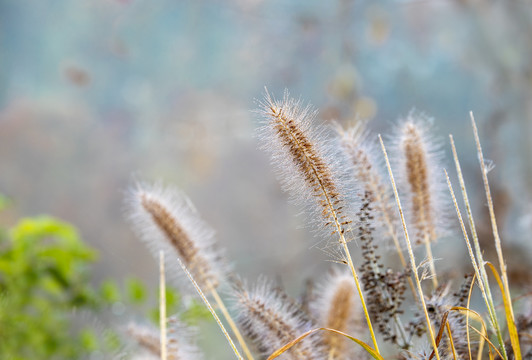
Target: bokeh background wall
{"points": [[97, 93]]}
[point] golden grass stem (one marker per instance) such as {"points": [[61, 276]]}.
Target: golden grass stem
{"points": [[232, 324], [451, 342], [478, 265], [211, 309], [410, 251], [498, 246], [162, 305], [391, 230], [359, 289], [467, 317]]}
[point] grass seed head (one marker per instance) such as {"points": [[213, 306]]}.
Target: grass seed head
{"points": [[418, 158], [166, 220], [337, 306], [311, 166], [270, 321]]}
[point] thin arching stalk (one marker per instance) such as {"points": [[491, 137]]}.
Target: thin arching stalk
{"points": [[479, 273], [231, 323], [478, 265], [211, 309], [410, 253], [498, 246]]}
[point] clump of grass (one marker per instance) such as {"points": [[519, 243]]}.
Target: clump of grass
{"points": [[336, 177]]}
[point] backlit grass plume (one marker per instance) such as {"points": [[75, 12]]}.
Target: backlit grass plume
{"points": [[166, 220], [336, 306], [418, 158], [271, 320], [313, 171], [336, 177], [365, 162], [180, 344], [310, 167]]}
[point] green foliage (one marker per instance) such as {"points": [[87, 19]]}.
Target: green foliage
{"points": [[136, 291], [45, 279], [44, 273]]}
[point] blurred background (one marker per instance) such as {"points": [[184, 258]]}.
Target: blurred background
{"points": [[95, 94]]}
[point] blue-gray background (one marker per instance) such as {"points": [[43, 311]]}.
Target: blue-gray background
{"points": [[96, 93]]}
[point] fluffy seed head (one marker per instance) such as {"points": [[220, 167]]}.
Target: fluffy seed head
{"points": [[271, 320], [180, 344], [337, 307], [310, 167], [146, 338], [418, 158], [365, 164], [166, 220]]}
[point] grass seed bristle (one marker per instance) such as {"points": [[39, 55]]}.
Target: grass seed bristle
{"points": [[270, 322], [165, 220]]}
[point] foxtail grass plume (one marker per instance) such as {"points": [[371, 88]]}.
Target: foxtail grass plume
{"points": [[180, 344], [166, 220], [270, 320], [314, 172], [310, 167], [366, 164], [337, 306], [418, 157]]}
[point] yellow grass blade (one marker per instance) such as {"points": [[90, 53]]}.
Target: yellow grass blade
{"points": [[450, 334], [514, 337], [366, 347], [484, 329], [485, 339]]}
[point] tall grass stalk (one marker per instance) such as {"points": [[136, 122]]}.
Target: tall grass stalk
{"points": [[211, 310], [489, 199], [478, 263], [411, 253]]}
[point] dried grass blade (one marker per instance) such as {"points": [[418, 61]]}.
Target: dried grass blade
{"points": [[514, 337], [484, 329], [366, 347], [490, 344]]}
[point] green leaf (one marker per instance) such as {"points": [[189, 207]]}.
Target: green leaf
{"points": [[109, 291], [136, 291]]}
